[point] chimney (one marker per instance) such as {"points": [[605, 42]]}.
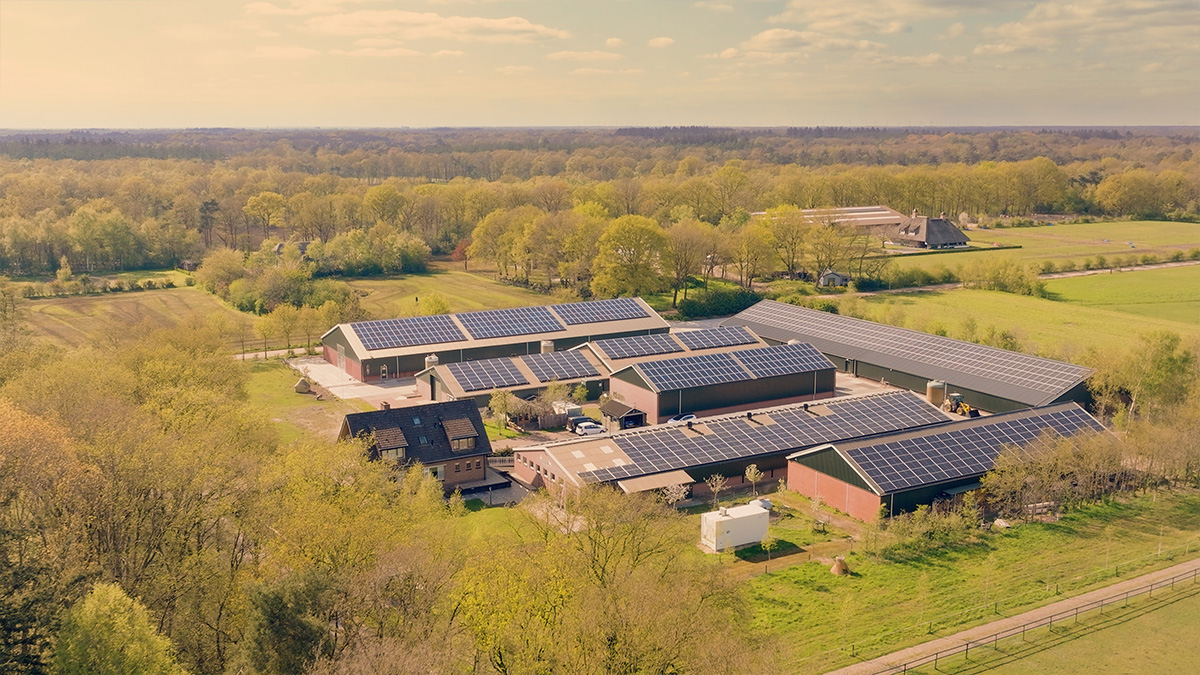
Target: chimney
{"points": [[805, 407], [750, 415], [431, 360], [547, 346], [689, 426], [914, 213], [386, 405]]}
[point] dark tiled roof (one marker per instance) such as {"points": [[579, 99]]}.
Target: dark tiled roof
{"points": [[425, 430], [616, 409]]}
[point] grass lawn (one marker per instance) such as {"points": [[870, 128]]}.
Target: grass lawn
{"points": [[1149, 636], [1057, 329], [297, 416], [496, 432], [1069, 242], [886, 605], [464, 291], [1171, 293]]}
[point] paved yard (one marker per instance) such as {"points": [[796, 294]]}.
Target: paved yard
{"points": [[399, 392]]}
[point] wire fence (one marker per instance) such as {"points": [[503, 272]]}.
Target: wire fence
{"points": [[1046, 621]]}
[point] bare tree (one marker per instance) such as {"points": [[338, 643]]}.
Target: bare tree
{"points": [[716, 483], [754, 474]]}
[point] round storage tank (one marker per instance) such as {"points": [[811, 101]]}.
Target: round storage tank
{"points": [[935, 391], [547, 346], [431, 360]]}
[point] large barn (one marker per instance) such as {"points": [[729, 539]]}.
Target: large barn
{"points": [[524, 376], [989, 378], [724, 381], [651, 458], [375, 350], [902, 470]]}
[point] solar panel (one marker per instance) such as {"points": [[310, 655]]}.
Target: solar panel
{"points": [[638, 345], [783, 360], [962, 449], [420, 330], [598, 311], [494, 323], [844, 335], [659, 449], [486, 374], [710, 338], [560, 366], [691, 371]]}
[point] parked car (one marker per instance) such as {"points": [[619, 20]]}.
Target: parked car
{"points": [[683, 418], [588, 429], [575, 421]]}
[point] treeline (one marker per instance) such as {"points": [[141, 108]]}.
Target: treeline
{"points": [[112, 214], [152, 521]]}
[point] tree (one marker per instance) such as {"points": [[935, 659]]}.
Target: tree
{"points": [[460, 251], [310, 323], [751, 252], [673, 494], [628, 258], [687, 244], [501, 404], [716, 483], [13, 315], [109, 633], [769, 544], [266, 207], [385, 204], [753, 474], [285, 318], [788, 228], [266, 328]]}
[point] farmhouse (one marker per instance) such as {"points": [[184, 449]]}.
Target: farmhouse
{"points": [[900, 471], [924, 232], [655, 457], [448, 438], [375, 350], [989, 378], [724, 381]]}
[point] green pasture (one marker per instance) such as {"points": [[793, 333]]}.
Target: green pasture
{"points": [[1076, 241], [1171, 293], [296, 416], [825, 621], [1041, 326], [464, 291]]}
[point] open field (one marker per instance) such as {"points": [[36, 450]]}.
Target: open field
{"points": [[884, 605], [1076, 242], [1150, 635], [1057, 329], [464, 291], [1172, 293], [297, 416]]}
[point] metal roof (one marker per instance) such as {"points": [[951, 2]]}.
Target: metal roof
{"points": [[1026, 379]]}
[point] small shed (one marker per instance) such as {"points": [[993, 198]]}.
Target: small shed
{"points": [[625, 417], [735, 526], [832, 278]]}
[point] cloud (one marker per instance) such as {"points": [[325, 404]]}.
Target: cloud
{"points": [[446, 52], [956, 29], [513, 70], [376, 52], [298, 7], [376, 42], [1166, 26], [583, 56], [429, 25], [283, 53], [661, 42], [605, 71], [614, 42], [714, 6], [925, 60]]}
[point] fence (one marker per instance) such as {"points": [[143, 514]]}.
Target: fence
{"points": [[1047, 621], [502, 462]]}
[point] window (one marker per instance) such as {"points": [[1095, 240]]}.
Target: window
{"points": [[478, 463], [460, 444], [438, 472], [457, 468], [422, 440], [416, 421]]}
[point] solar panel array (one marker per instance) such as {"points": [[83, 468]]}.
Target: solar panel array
{"points": [[486, 374], [958, 452], [783, 360], [494, 323], [559, 366], [692, 371], [710, 338], [638, 345], [421, 330], [661, 449], [743, 364], [1028, 372], [598, 311]]}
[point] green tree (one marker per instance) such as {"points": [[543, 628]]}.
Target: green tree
{"points": [[687, 244], [266, 207], [109, 633], [628, 259], [754, 474]]}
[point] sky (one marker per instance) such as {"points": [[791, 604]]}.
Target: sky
{"points": [[424, 63]]}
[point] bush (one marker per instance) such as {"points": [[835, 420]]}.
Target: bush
{"points": [[189, 281], [819, 304], [719, 302], [1194, 254]]}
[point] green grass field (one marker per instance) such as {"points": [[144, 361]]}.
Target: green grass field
{"points": [[1069, 242], [1148, 636], [464, 291], [1170, 293], [885, 606], [1057, 329], [296, 416]]}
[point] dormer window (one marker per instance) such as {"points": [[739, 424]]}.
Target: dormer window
{"points": [[416, 421]]}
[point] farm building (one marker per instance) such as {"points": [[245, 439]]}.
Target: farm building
{"points": [[873, 217], [375, 350], [989, 378], [902, 470], [525, 376], [655, 457], [735, 526], [924, 232], [723, 381], [448, 438], [617, 353]]}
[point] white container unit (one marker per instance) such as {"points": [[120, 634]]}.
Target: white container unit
{"points": [[735, 526]]}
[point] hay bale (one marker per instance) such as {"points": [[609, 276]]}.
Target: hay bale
{"points": [[302, 386], [840, 568]]}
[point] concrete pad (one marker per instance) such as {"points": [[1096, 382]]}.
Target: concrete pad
{"points": [[398, 392]]}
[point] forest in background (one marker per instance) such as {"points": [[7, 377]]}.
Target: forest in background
{"points": [[106, 201]]}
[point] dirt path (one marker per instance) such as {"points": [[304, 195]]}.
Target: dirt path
{"points": [[929, 648]]}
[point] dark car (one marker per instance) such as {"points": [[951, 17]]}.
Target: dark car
{"points": [[572, 422]]}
